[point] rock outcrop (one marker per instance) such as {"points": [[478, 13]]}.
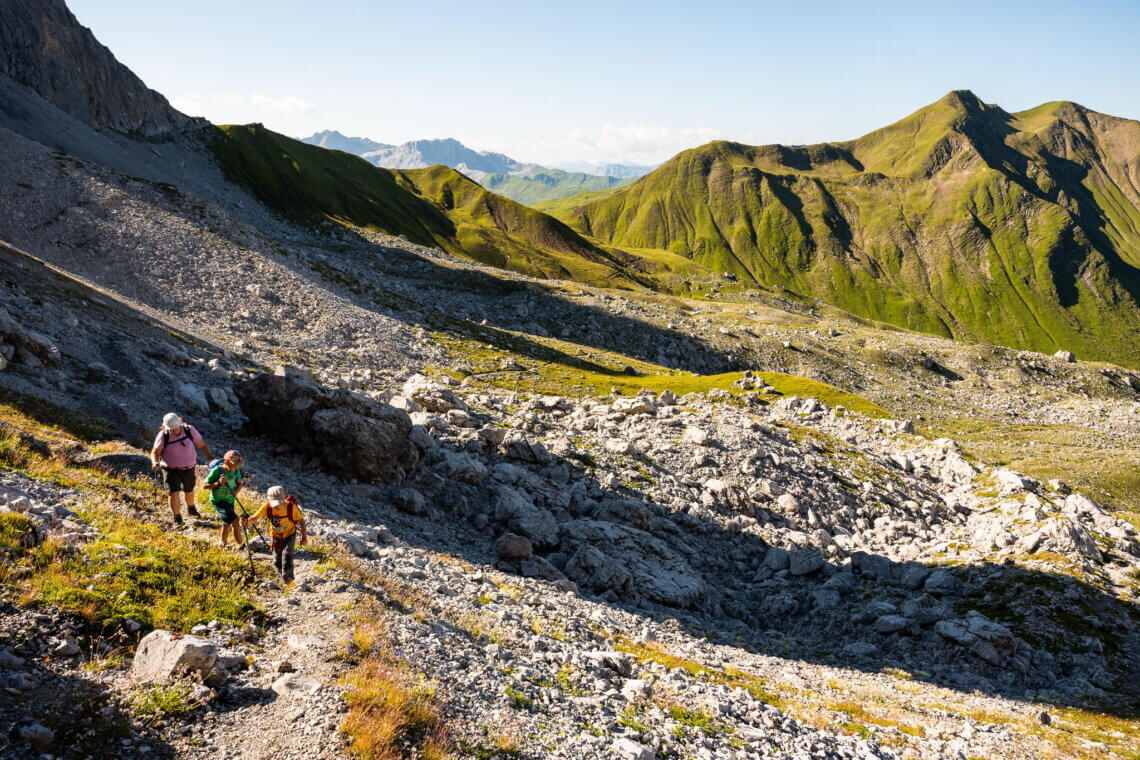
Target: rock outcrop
{"points": [[352, 435], [17, 343], [44, 48], [162, 655], [608, 556]]}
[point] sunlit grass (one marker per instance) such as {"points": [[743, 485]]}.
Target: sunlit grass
{"points": [[390, 707], [131, 568]]}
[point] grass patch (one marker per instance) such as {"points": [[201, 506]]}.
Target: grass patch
{"points": [[1083, 734], [1105, 468], [605, 374], [116, 661], [649, 652], [131, 569], [564, 678], [164, 701], [632, 717], [393, 712], [503, 739], [861, 719], [792, 385], [692, 716], [137, 570], [518, 699]]}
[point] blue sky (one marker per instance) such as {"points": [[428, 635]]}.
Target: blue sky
{"points": [[614, 81]]}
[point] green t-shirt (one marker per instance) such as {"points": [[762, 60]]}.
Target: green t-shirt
{"points": [[224, 492]]}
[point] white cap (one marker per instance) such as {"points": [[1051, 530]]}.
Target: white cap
{"points": [[172, 421], [276, 496]]}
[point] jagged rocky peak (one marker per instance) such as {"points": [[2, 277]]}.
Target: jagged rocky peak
{"points": [[44, 48]]}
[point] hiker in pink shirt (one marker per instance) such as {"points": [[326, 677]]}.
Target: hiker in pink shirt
{"points": [[176, 451]]}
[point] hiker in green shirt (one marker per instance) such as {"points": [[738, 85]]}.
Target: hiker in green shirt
{"points": [[224, 481]]}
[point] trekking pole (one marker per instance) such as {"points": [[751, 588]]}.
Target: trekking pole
{"points": [[246, 514], [158, 484], [248, 551]]}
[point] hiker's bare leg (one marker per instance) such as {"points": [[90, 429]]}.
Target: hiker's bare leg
{"points": [[189, 500], [175, 505], [238, 537], [225, 534]]}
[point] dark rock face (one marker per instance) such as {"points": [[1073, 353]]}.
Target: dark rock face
{"points": [[511, 546], [607, 556], [354, 436], [44, 48]]}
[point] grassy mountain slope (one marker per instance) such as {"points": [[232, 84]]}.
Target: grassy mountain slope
{"points": [[563, 206], [435, 206], [961, 219], [546, 184]]}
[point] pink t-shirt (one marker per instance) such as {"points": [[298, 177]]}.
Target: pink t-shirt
{"points": [[179, 453]]}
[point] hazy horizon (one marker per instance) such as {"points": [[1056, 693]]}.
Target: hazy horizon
{"points": [[596, 83]]}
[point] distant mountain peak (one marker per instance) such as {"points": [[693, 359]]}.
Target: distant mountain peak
{"points": [[449, 151], [964, 99], [334, 140], [441, 142]]}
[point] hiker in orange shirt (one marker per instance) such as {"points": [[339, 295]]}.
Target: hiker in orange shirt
{"points": [[284, 519]]}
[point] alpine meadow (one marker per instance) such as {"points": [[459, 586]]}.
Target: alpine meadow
{"points": [[961, 220]]}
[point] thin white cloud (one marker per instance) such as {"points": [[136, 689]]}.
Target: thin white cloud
{"points": [[614, 143], [287, 104], [223, 106]]}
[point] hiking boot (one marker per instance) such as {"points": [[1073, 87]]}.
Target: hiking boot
{"points": [[193, 511], [178, 519]]}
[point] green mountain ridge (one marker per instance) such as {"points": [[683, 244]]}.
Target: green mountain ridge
{"points": [[547, 184], [436, 206], [961, 219]]}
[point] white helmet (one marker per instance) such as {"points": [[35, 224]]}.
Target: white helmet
{"points": [[276, 495], [172, 421]]}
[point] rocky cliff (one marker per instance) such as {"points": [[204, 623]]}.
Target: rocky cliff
{"points": [[44, 48]]}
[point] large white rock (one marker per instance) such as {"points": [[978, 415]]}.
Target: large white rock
{"points": [[163, 654], [696, 435], [432, 395], [628, 749], [636, 405], [300, 641], [1010, 482], [292, 684]]}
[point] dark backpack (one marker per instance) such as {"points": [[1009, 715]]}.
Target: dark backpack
{"points": [[185, 434]]}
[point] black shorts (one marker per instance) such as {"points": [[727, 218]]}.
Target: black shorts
{"points": [[179, 480]]}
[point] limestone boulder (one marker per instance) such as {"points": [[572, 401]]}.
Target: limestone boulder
{"points": [[656, 570], [162, 655], [356, 437], [516, 510]]}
